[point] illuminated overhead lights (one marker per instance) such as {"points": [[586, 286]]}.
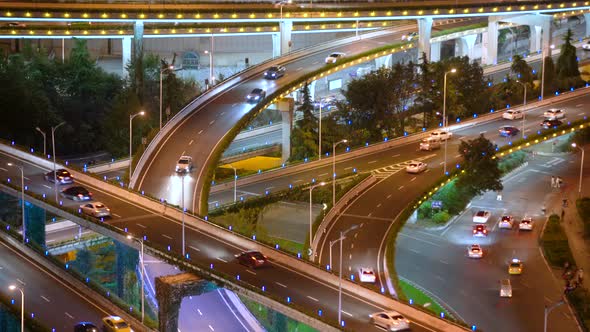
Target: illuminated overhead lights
{"points": [[322, 14], [85, 32], [234, 15], [495, 9], [480, 10], [49, 32], [562, 5], [241, 30], [451, 11], [120, 32], [31, 32], [383, 23], [102, 32], [104, 15], [436, 11], [85, 15], [208, 30], [323, 26], [274, 28], [123, 15], [156, 31], [8, 14], [339, 14], [190, 30], [160, 15], [269, 15], [405, 12], [370, 24], [536, 7], [13, 32], [356, 14], [258, 29], [198, 16], [372, 14], [522, 7], [338, 26], [179, 16], [215, 15], [466, 10], [68, 32], [142, 15], [66, 15], [252, 16], [549, 6], [509, 8], [307, 27], [27, 14], [389, 13], [173, 30], [305, 15], [353, 25], [47, 14]]}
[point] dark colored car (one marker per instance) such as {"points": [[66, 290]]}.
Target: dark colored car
{"points": [[256, 95], [85, 327], [508, 131], [77, 193], [275, 72], [480, 230], [252, 259], [61, 175], [550, 123]]}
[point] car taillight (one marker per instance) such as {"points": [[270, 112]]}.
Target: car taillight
{"points": [[485, 231], [474, 231]]}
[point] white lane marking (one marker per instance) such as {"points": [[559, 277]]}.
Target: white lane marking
{"points": [[191, 142], [140, 225], [70, 316], [414, 250], [221, 259], [211, 327], [44, 298], [372, 162], [166, 236], [579, 105], [251, 272], [582, 113], [312, 298], [26, 178], [444, 262], [297, 181], [200, 131], [442, 162], [46, 186], [315, 63], [212, 122], [483, 132], [389, 196], [278, 283], [22, 282], [199, 311], [194, 248], [346, 313], [116, 215], [322, 174], [400, 188], [439, 277], [4, 169], [352, 246], [234, 104], [379, 205], [222, 113], [457, 156], [268, 188], [298, 69], [347, 168], [397, 155], [182, 154], [412, 179]]}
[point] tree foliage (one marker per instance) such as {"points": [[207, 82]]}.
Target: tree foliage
{"points": [[521, 69], [481, 169], [567, 63], [304, 137]]}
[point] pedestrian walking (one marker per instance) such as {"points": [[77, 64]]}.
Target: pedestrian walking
{"points": [[552, 181], [580, 275], [558, 182], [165, 203]]}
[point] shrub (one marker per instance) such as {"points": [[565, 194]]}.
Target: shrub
{"points": [[580, 300], [555, 244], [425, 210], [454, 200], [512, 161], [583, 206], [441, 217]]}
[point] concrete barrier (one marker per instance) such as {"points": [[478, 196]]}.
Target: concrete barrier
{"points": [[110, 166]]}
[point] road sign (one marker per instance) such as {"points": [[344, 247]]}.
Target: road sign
{"points": [[309, 252], [436, 204]]}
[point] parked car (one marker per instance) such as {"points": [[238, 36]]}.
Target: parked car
{"points": [[554, 113], [77, 193], [85, 327], [508, 131], [96, 209], [115, 324], [335, 56], [275, 72], [256, 95], [61, 175], [513, 115], [253, 259], [390, 321]]}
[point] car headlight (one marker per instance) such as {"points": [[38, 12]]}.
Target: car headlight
{"points": [[256, 97]]}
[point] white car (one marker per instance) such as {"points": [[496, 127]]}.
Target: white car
{"points": [[390, 320], [481, 216], [416, 167], [512, 115], [474, 251], [554, 113], [506, 222], [505, 288], [96, 209], [366, 274], [184, 164], [441, 135], [335, 56], [586, 47], [526, 224], [429, 144]]}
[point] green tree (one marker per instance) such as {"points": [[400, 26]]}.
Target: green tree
{"points": [[549, 78], [521, 68], [304, 137], [84, 261], [425, 91], [480, 166], [567, 63]]}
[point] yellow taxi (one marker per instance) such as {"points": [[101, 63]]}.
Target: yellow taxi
{"points": [[515, 266]]}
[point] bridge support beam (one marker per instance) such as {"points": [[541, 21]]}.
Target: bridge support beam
{"points": [[384, 61], [312, 90], [587, 22], [435, 52], [286, 106], [281, 42], [464, 46], [170, 290], [126, 54], [138, 56], [424, 32], [489, 52]]}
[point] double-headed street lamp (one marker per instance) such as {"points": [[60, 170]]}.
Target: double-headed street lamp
{"points": [[142, 267], [543, 71], [334, 171], [131, 117], [171, 67], [22, 305], [453, 70], [581, 168], [53, 129], [22, 190], [340, 239], [44, 140], [311, 188], [524, 106]]}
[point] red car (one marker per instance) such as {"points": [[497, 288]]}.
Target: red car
{"points": [[480, 230], [253, 259]]}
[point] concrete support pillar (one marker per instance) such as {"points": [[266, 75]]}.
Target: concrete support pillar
{"points": [[276, 45], [384, 61], [535, 38], [546, 27], [465, 45], [424, 33], [126, 52], [587, 21], [435, 52], [286, 26], [138, 57], [490, 43], [286, 107]]}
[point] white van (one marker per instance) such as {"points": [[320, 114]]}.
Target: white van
{"points": [[505, 288], [429, 144]]}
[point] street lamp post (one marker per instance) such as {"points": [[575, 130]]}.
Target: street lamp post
{"points": [[235, 182], [142, 267], [171, 67], [581, 168], [453, 70], [311, 188], [22, 306], [524, 106], [543, 72], [320, 133], [22, 191], [547, 311], [334, 171], [53, 129], [131, 117], [210, 67], [182, 198], [340, 239], [44, 140]]}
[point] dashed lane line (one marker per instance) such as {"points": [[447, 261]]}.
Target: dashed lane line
{"points": [[312, 298], [282, 285], [167, 236], [194, 248]]}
